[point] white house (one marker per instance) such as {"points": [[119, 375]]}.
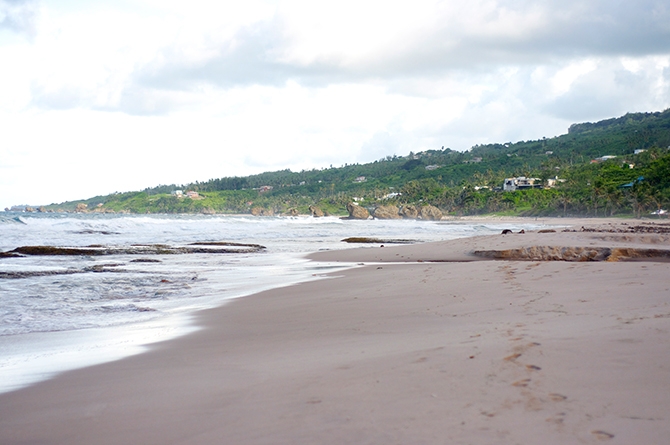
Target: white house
{"points": [[521, 183]]}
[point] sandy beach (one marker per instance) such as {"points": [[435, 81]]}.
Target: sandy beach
{"points": [[418, 344]]}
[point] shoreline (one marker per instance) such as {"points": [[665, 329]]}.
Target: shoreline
{"points": [[421, 352], [31, 357]]}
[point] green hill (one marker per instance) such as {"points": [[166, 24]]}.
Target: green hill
{"points": [[635, 146]]}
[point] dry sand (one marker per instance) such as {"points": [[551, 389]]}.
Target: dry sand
{"points": [[401, 351]]}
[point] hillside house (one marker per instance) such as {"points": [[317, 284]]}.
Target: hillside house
{"points": [[521, 183], [602, 159], [553, 182]]}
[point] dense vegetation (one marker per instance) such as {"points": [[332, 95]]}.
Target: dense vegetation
{"points": [[459, 183]]}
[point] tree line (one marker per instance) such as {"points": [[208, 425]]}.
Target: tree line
{"points": [[618, 166]]}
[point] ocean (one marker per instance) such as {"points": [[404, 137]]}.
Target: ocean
{"points": [[61, 312]]}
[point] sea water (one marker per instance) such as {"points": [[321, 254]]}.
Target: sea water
{"points": [[68, 311]]}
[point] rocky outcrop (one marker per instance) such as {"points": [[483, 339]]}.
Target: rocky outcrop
{"points": [[292, 212], [430, 213], [81, 207], [137, 249], [634, 254], [260, 211], [357, 212], [386, 212], [409, 212], [646, 228], [556, 253], [316, 212], [367, 240]]}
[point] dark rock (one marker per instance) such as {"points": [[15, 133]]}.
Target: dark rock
{"points": [[54, 250], [409, 212], [357, 212], [367, 240], [553, 253], [316, 211], [430, 213], [226, 243], [386, 212]]}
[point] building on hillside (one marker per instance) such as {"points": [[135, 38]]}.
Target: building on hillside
{"points": [[553, 182], [476, 160], [521, 183], [602, 159]]}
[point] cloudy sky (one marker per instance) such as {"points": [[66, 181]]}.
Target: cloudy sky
{"points": [[105, 96]]}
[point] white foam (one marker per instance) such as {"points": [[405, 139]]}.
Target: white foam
{"points": [[52, 323]]}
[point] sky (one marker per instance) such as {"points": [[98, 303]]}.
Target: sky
{"points": [[99, 97]]}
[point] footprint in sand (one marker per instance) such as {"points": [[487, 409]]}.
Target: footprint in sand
{"points": [[602, 435], [513, 357], [522, 383], [558, 419]]}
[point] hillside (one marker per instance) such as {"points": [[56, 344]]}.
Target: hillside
{"points": [[634, 146]]}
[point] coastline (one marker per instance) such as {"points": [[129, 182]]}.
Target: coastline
{"points": [[442, 348], [36, 343]]}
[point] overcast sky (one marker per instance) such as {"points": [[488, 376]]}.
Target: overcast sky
{"points": [[105, 96]]}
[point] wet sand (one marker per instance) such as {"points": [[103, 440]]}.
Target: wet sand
{"points": [[421, 344]]}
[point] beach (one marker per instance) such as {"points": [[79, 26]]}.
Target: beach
{"points": [[417, 344]]}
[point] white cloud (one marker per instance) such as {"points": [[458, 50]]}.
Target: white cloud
{"points": [[563, 80], [102, 96], [18, 16]]}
